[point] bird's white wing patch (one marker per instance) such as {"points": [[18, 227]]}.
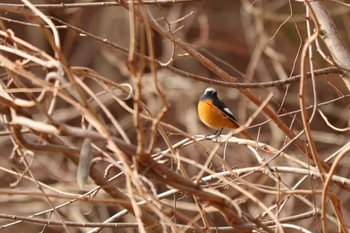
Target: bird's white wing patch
{"points": [[228, 111]]}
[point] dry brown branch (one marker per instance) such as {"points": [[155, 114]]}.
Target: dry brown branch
{"points": [[99, 127]]}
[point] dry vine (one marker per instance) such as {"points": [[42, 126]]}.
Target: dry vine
{"points": [[99, 125]]}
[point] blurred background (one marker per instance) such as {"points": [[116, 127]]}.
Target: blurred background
{"points": [[253, 41]]}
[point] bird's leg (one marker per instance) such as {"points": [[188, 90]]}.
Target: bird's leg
{"points": [[218, 132]]}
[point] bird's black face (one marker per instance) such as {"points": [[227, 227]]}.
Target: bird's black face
{"points": [[210, 92]]}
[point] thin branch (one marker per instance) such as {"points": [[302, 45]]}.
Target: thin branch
{"points": [[95, 4]]}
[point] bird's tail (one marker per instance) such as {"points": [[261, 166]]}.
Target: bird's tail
{"points": [[247, 135]]}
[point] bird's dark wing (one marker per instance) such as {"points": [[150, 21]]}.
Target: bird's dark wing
{"points": [[225, 110]]}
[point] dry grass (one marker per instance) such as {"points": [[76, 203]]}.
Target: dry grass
{"points": [[116, 85]]}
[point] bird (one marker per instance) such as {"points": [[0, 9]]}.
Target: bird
{"points": [[214, 113]]}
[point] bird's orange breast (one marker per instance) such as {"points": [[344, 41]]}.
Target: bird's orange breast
{"points": [[213, 117]]}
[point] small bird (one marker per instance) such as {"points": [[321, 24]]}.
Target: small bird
{"points": [[214, 113]]}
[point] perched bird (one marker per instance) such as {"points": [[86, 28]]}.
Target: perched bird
{"points": [[214, 113]]}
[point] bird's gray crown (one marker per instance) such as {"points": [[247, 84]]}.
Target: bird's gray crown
{"points": [[210, 89]]}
